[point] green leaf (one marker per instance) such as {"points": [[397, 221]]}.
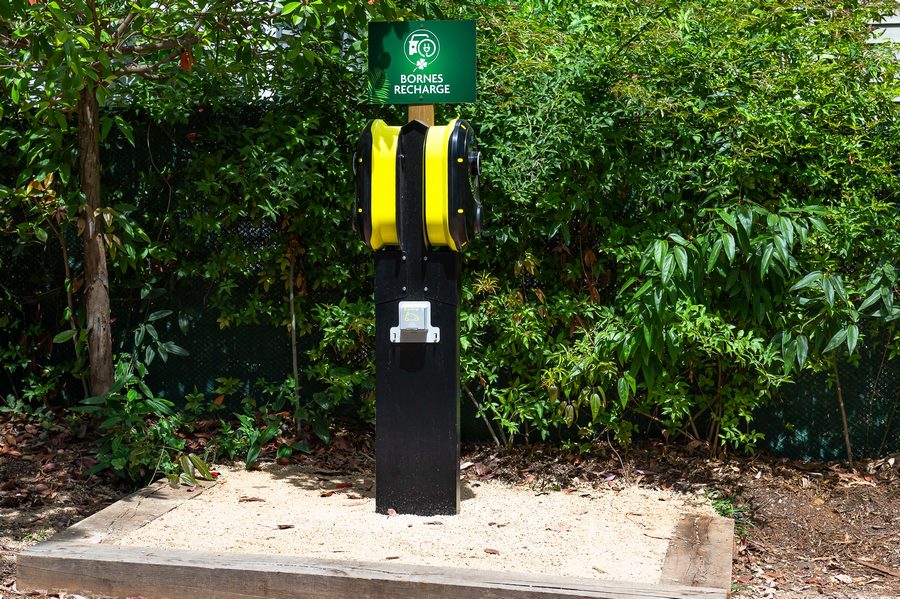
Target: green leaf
{"points": [[201, 467], [40, 234], [828, 288], [818, 224], [678, 239], [184, 323], [252, 456], [187, 469], [64, 336], [320, 428], [302, 447], [745, 217], [681, 257], [728, 242], [852, 337], [96, 400], [125, 129], [874, 297], [714, 255], [802, 350], [766, 258], [838, 283], [786, 225], [622, 388], [158, 314], [660, 249], [668, 267], [175, 350], [110, 422], [781, 251], [807, 281], [290, 7], [729, 219], [187, 478], [596, 406], [887, 296], [838, 338], [790, 354]]}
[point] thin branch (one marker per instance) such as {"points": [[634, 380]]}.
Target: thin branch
{"points": [[143, 69], [92, 4], [69, 299], [124, 24], [21, 44], [295, 370], [483, 415], [840, 398], [180, 43]]}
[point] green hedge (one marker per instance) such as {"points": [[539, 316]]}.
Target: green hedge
{"points": [[686, 203]]}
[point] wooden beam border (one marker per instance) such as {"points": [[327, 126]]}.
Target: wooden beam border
{"points": [[174, 574], [130, 513], [700, 553], [84, 559]]}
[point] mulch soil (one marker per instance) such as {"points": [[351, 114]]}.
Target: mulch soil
{"points": [[803, 529]]}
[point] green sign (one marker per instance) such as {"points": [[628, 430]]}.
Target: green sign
{"points": [[422, 62]]}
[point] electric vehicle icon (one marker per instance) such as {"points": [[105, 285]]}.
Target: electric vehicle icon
{"points": [[422, 44]]}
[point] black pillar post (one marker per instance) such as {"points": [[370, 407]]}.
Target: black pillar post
{"points": [[416, 384]]}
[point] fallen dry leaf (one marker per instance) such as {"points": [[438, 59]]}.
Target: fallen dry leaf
{"points": [[491, 551], [391, 512], [435, 523], [327, 493], [393, 557], [285, 526], [481, 469], [248, 499]]}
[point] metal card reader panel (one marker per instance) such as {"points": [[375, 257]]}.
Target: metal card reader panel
{"points": [[415, 324]]}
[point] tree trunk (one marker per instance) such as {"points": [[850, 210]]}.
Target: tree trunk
{"points": [[96, 289]]}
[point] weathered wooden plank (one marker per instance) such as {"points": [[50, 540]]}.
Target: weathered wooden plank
{"points": [[128, 514], [701, 552], [175, 574]]}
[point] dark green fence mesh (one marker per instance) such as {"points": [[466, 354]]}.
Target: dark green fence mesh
{"points": [[805, 421]]}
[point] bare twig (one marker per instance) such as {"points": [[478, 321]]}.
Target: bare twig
{"points": [[877, 567], [162, 224], [625, 471], [69, 300], [296, 370], [22, 44], [840, 398], [483, 415]]}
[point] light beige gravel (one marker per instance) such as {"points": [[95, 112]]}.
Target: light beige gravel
{"points": [[613, 533]]}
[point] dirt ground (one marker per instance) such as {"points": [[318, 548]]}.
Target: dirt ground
{"points": [[803, 529]]}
